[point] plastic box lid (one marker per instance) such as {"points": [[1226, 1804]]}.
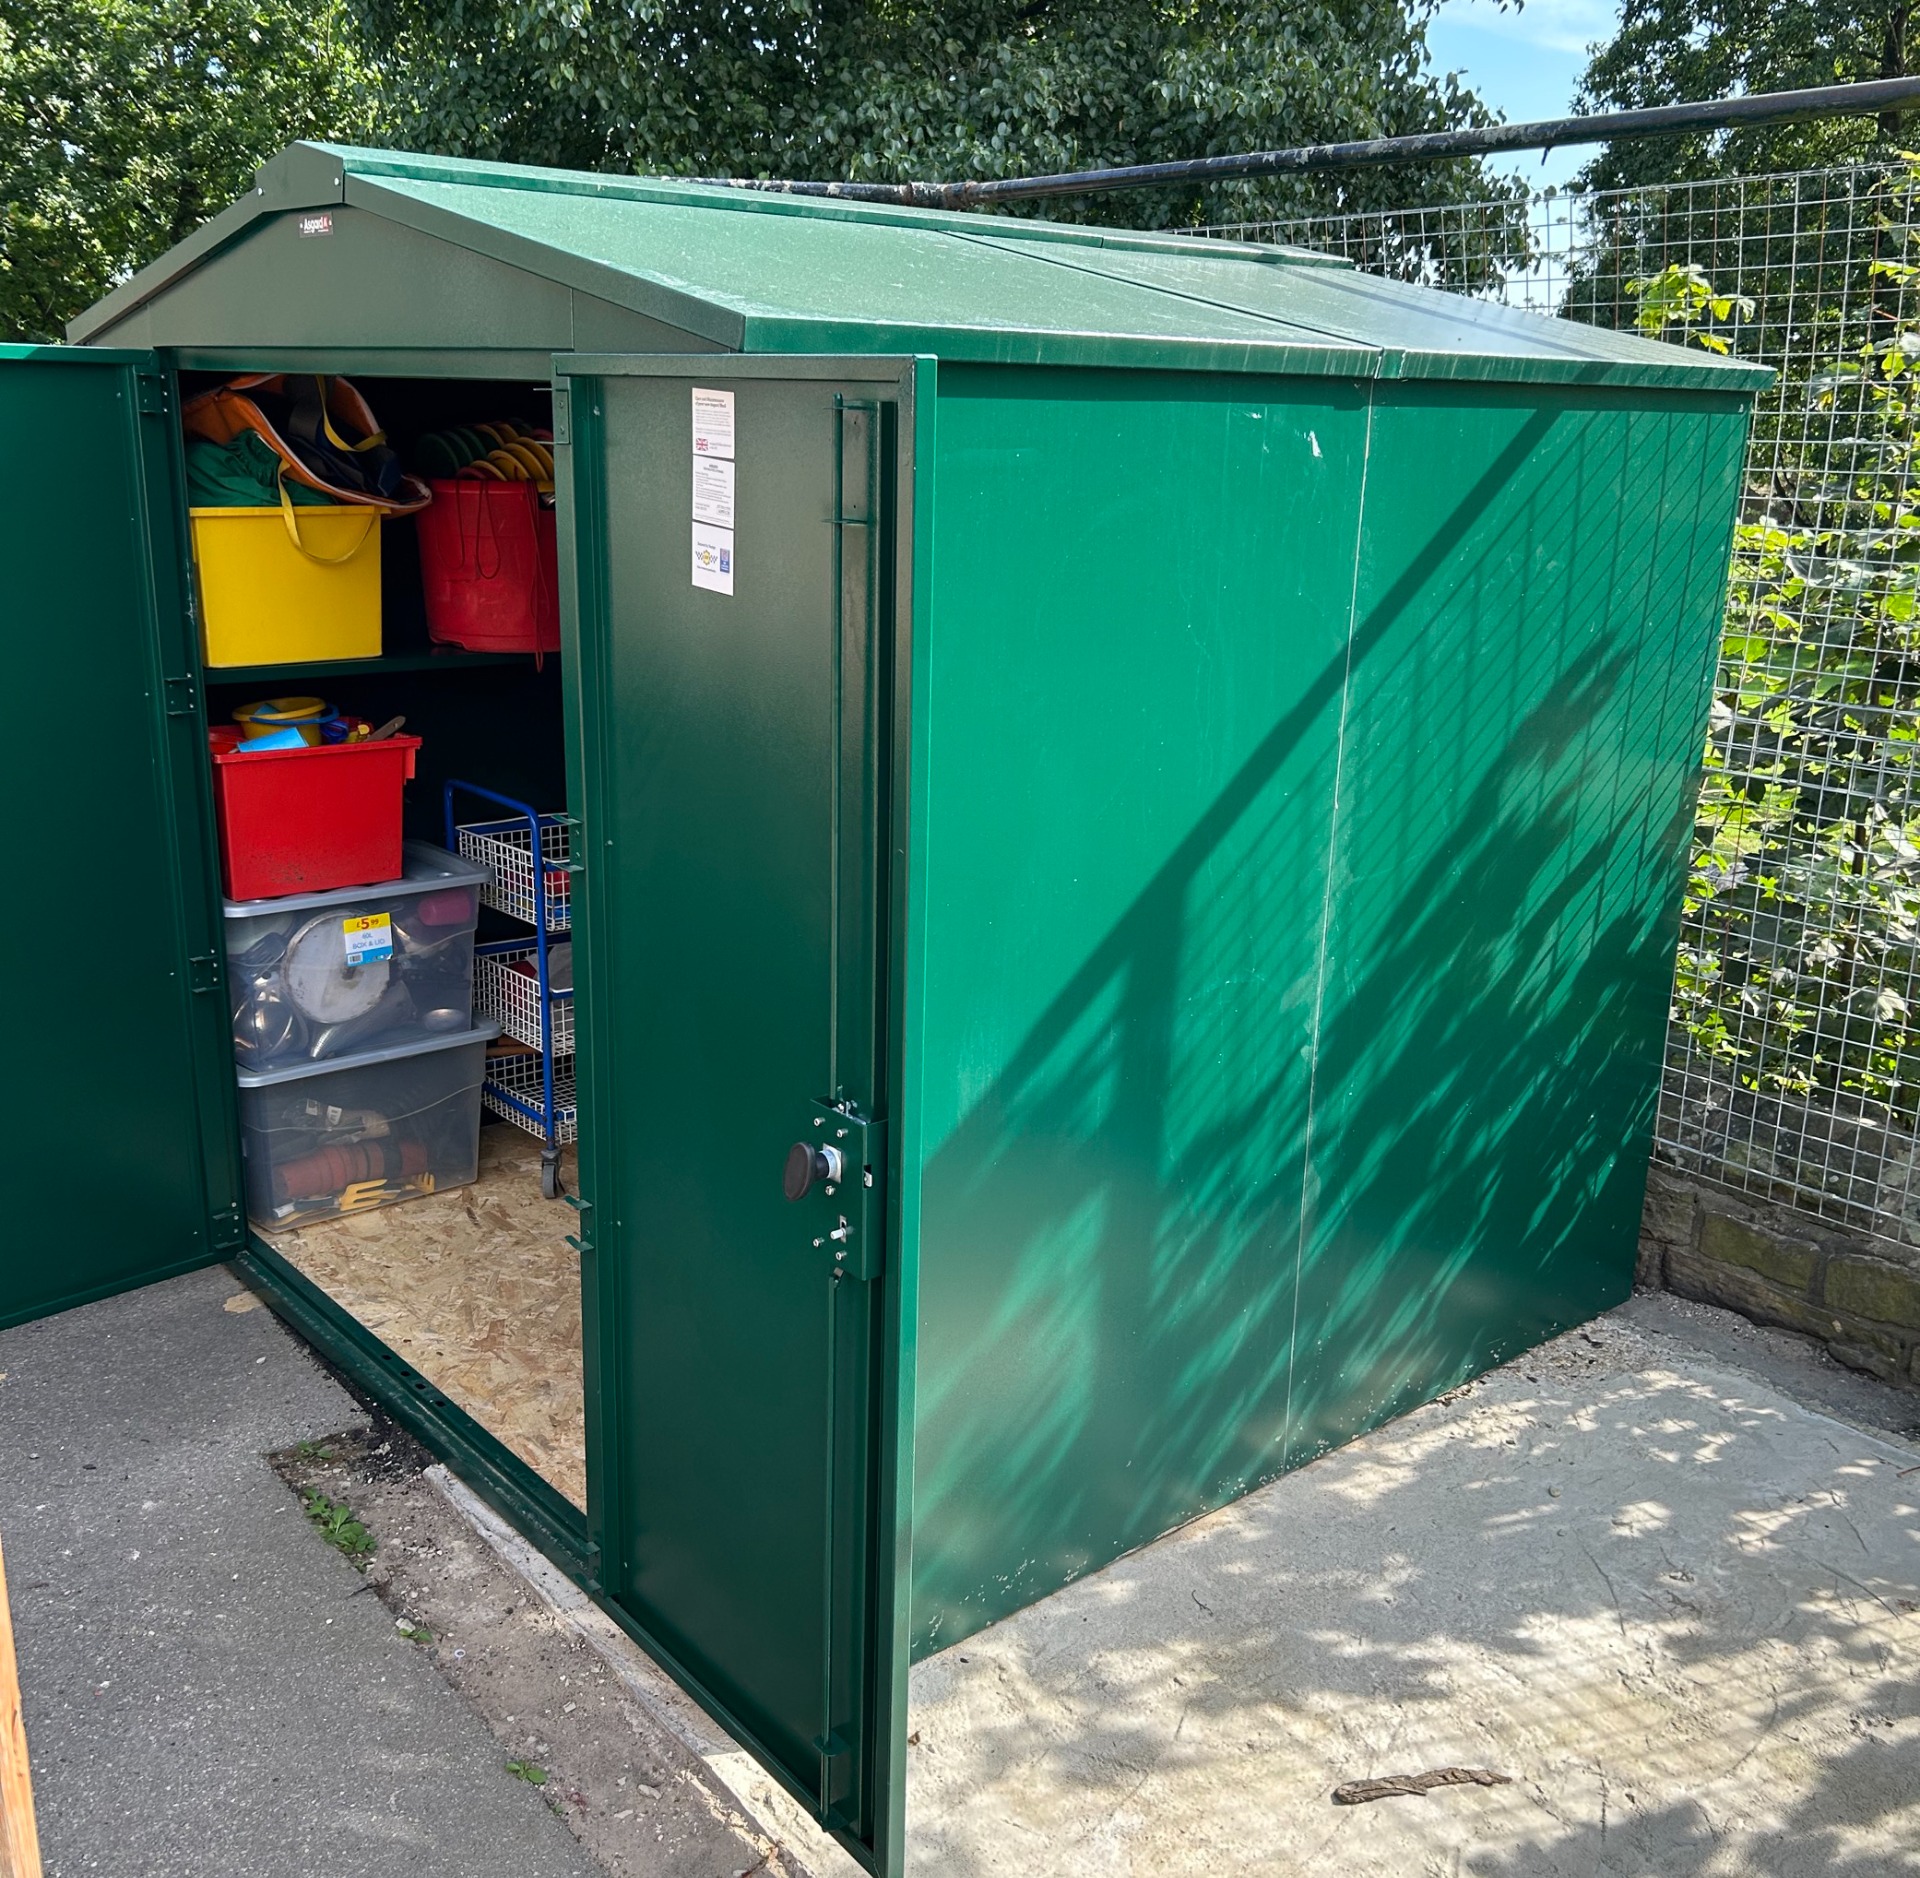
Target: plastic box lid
{"points": [[391, 1053], [426, 867]]}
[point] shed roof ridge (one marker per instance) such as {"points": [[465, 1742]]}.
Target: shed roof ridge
{"points": [[684, 191]]}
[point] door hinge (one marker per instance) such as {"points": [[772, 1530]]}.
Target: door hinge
{"points": [[584, 1244], [562, 415], [203, 971], [844, 1209], [179, 695], [227, 1229], [155, 400]]}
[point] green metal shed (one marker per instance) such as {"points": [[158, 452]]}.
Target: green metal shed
{"points": [[1188, 791]]}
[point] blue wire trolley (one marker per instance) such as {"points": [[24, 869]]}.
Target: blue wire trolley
{"points": [[529, 861]]}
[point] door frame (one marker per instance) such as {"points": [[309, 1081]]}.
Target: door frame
{"points": [[907, 384], [498, 1475]]}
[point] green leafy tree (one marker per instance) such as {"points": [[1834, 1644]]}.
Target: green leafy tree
{"points": [[899, 89], [124, 124], [1666, 51]]}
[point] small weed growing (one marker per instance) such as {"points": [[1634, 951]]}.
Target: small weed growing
{"points": [[527, 1771], [335, 1523], [414, 1633], [314, 1451]]}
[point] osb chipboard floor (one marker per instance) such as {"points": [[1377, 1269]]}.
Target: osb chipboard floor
{"points": [[478, 1289]]}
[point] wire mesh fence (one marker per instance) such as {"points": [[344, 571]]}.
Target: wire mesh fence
{"points": [[1793, 1062]]}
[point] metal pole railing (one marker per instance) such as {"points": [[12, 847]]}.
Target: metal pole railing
{"points": [[1870, 99]]}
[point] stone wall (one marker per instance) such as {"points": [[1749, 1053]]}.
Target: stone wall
{"points": [[1860, 1296]]}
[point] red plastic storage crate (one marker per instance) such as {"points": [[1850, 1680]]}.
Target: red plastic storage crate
{"points": [[302, 821], [490, 568]]}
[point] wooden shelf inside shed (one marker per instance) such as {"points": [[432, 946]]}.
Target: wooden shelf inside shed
{"points": [[363, 668]]}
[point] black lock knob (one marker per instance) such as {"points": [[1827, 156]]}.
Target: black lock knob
{"points": [[807, 1163]]}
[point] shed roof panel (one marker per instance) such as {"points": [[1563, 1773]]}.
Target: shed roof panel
{"points": [[1422, 332], [853, 283], [766, 272]]}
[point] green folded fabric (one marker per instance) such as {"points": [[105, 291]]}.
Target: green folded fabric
{"points": [[243, 474]]}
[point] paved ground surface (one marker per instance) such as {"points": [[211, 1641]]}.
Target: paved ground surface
{"points": [[209, 1689], [1665, 1574], [1643, 1572], [557, 1688]]}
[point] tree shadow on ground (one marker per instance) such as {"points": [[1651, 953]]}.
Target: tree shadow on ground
{"points": [[1683, 1615]]}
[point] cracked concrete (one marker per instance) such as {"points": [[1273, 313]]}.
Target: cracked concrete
{"points": [[1677, 1605]]}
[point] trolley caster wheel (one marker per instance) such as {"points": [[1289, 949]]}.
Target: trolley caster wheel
{"points": [[550, 1188]]}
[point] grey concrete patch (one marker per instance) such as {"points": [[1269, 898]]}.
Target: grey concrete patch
{"points": [[1678, 1607], [207, 1690], [629, 1788], [781, 1831]]}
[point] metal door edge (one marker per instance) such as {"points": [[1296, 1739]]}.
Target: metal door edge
{"points": [[530, 1504]]}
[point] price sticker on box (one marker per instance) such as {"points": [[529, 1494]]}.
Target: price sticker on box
{"points": [[369, 937]]}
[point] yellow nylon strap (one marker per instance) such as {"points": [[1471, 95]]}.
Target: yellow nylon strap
{"points": [[290, 515], [333, 436]]}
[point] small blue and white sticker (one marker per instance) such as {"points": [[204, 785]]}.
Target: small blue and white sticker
{"points": [[713, 558], [369, 937]]}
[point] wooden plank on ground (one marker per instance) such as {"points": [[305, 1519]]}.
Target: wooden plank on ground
{"points": [[19, 1838]]}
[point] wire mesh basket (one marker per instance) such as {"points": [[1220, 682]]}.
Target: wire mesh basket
{"points": [[506, 988], [505, 850], [515, 1090]]}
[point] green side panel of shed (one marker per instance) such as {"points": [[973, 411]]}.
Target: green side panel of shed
{"points": [[1136, 647], [1532, 653], [1300, 923]]}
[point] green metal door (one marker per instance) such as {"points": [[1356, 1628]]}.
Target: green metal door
{"points": [[122, 1143], [735, 565]]}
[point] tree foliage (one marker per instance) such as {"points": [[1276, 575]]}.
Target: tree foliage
{"points": [[1669, 51], [124, 124], [895, 89]]}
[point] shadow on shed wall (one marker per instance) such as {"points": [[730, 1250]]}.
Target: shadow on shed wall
{"points": [[1148, 1283]]}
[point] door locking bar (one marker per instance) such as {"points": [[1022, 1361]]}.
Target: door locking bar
{"points": [[840, 1160]]}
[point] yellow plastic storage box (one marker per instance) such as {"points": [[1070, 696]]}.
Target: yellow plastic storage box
{"points": [[267, 599]]}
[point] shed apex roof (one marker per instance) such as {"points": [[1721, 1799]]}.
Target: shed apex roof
{"points": [[758, 271]]}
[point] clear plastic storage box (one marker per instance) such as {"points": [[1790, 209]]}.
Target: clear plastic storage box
{"points": [[318, 976], [323, 1139]]}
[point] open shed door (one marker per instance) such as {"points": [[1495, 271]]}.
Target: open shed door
{"points": [[736, 546], [123, 1156]]}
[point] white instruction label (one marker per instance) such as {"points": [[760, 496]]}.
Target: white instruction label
{"points": [[712, 558], [713, 491], [369, 937], [712, 422]]}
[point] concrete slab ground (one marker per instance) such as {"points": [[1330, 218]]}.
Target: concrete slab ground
{"points": [[208, 1688], [1679, 1608]]}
